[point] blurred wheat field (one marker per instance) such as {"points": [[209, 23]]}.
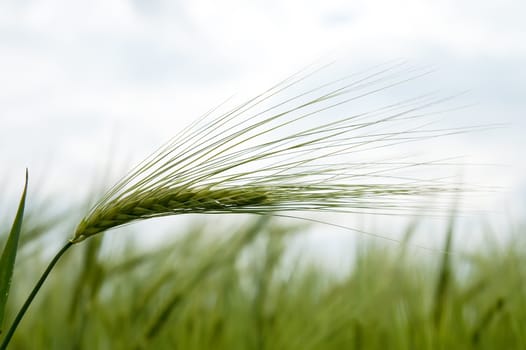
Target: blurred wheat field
{"points": [[239, 292]]}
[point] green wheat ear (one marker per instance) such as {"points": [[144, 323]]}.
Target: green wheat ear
{"points": [[287, 149], [166, 202]]}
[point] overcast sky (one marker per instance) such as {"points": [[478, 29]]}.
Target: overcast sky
{"points": [[78, 79]]}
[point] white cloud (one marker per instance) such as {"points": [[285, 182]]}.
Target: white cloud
{"points": [[73, 72]]}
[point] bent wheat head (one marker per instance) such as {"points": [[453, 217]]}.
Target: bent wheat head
{"points": [[306, 151]]}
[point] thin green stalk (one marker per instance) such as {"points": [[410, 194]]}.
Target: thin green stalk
{"points": [[31, 296]]}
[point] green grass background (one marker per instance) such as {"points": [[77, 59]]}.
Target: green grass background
{"points": [[241, 289]]}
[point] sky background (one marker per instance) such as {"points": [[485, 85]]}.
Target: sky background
{"points": [[87, 84]]}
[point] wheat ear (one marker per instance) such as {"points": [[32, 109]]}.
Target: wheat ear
{"points": [[284, 151]]}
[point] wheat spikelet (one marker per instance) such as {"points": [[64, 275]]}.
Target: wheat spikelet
{"points": [[168, 202], [307, 151]]}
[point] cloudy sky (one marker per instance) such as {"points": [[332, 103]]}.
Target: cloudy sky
{"points": [[86, 84]]}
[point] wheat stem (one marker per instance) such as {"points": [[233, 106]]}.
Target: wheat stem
{"points": [[32, 295]]}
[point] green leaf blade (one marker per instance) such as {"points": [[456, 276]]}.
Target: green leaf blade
{"points": [[7, 261]]}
